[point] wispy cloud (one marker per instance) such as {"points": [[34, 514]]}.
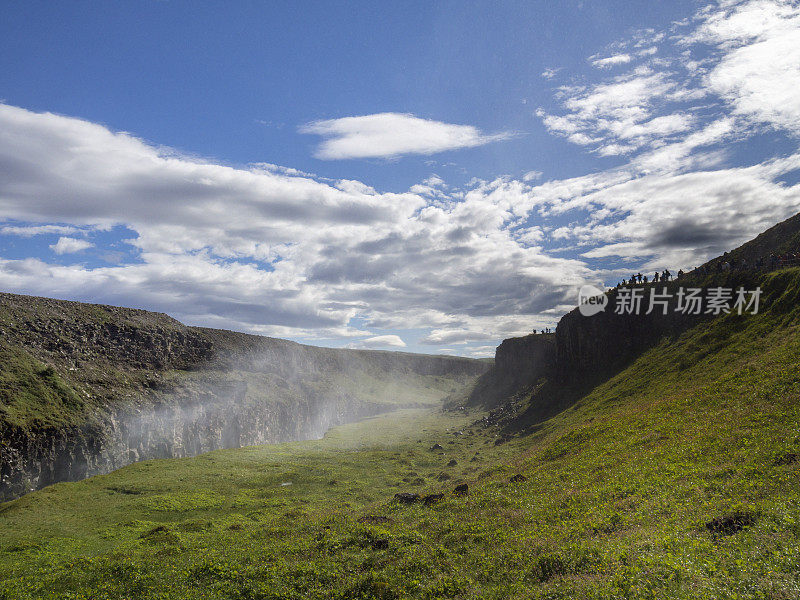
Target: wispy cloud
{"points": [[380, 341], [34, 230], [389, 135], [737, 62], [611, 61]]}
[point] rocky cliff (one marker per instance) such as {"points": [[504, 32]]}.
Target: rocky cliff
{"points": [[544, 374], [519, 365], [85, 389]]}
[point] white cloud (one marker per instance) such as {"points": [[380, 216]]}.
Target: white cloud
{"points": [[35, 230], [611, 61], [550, 72], [759, 72], [684, 219], [617, 116], [482, 351], [269, 250], [532, 176], [382, 341], [749, 70], [466, 268], [389, 135], [656, 127], [453, 336], [67, 245]]}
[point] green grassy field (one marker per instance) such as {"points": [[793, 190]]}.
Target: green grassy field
{"points": [[677, 478]]}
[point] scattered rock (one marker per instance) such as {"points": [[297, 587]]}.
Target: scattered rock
{"points": [[461, 490], [432, 499], [375, 520], [787, 459], [452, 463], [156, 530], [518, 478], [380, 544], [436, 447], [406, 498], [730, 524], [443, 477]]}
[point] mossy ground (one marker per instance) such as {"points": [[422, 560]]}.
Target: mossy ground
{"points": [[677, 478]]}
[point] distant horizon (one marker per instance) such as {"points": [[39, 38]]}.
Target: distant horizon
{"points": [[426, 178]]}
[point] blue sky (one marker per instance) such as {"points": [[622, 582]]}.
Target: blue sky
{"points": [[422, 176], [233, 81]]}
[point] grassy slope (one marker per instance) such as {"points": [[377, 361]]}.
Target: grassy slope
{"points": [[619, 489]]}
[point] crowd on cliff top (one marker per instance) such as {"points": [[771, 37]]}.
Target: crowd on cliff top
{"points": [[723, 265]]}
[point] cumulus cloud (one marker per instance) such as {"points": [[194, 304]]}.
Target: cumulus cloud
{"points": [[389, 135], [271, 250], [68, 245], [682, 218]]}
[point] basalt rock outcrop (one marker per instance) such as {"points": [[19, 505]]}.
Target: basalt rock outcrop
{"points": [[85, 389], [519, 364], [586, 350]]}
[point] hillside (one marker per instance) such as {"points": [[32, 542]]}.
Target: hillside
{"points": [[678, 477], [88, 388]]}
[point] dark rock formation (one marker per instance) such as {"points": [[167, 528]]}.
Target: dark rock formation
{"points": [[732, 523], [519, 364], [406, 498], [375, 520], [461, 490]]}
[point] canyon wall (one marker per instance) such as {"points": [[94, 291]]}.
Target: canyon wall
{"points": [[85, 389]]}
